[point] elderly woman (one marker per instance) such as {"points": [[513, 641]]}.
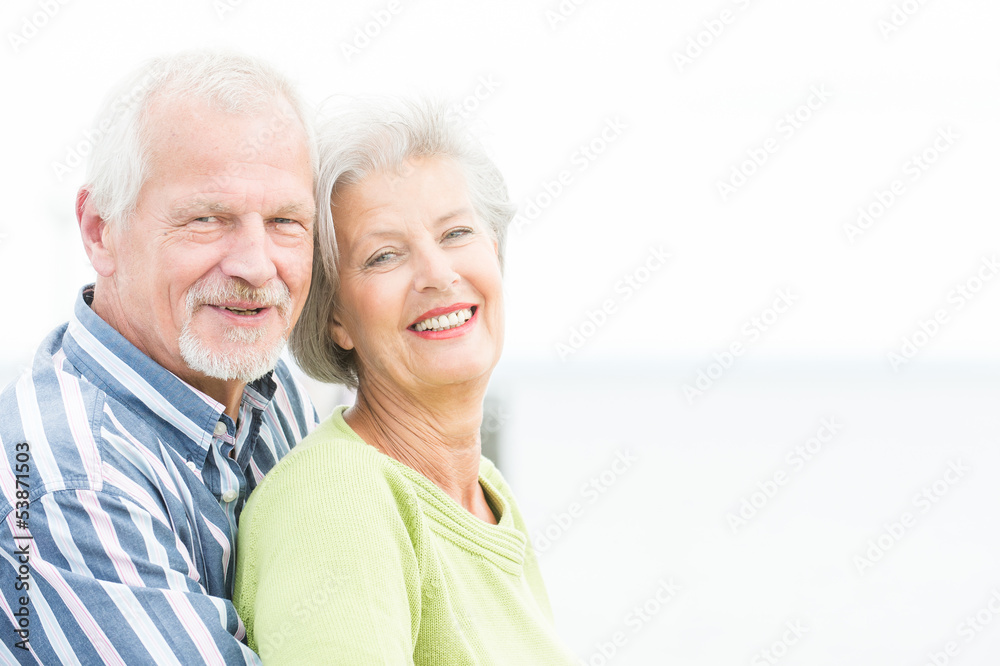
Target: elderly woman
{"points": [[385, 537]]}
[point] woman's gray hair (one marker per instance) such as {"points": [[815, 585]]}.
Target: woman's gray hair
{"points": [[379, 135], [233, 83]]}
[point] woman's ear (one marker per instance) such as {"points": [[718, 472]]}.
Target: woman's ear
{"points": [[97, 235], [339, 333]]}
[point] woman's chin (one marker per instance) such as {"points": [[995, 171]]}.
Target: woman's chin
{"points": [[457, 372]]}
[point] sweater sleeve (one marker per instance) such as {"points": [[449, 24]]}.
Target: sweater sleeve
{"points": [[328, 568]]}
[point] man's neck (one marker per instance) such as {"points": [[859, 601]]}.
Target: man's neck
{"points": [[229, 393]]}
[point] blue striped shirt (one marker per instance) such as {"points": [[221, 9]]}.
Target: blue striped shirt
{"points": [[121, 491]]}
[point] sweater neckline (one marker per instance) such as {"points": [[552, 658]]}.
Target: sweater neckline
{"points": [[503, 544]]}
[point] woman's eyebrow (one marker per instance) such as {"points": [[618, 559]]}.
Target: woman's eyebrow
{"points": [[458, 212], [396, 233], [378, 233]]}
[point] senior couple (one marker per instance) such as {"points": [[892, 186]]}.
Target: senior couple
{"points": [[134, 442]]}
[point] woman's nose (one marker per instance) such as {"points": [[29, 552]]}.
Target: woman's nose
{"points": [[435, 269]]}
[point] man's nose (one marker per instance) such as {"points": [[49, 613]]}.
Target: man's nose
{"points": [[248, 256]]}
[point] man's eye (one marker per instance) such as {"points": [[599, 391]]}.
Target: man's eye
{"points": [[284, 220], [209, 218]]}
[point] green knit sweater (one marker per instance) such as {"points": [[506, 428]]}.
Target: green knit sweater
{"points": [[347, 556]]}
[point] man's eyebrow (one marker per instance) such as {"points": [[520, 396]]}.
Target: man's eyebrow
{"points": [[214, 207], [295, 209], [199, 206]]}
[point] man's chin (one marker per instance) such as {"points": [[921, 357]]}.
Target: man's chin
{"points": [[244, 374], [230, 361]]}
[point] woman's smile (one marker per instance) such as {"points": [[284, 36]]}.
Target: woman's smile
{"points": [[443, 323]]}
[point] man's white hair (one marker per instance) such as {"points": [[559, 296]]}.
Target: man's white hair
{"points": [[231, 82]]}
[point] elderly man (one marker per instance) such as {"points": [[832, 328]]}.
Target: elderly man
{"points": [[131, 445]]}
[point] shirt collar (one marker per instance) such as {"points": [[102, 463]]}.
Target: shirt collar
{"points": [[132, 377]]}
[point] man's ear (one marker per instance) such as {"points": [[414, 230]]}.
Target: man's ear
{"points": [[96, 234], [339, 333]]}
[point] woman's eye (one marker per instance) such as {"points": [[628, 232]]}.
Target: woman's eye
{"points": [[458, 233], [381, 258]]}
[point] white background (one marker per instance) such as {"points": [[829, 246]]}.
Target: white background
{"points": [[563, 413]]}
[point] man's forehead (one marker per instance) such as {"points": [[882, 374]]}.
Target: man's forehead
{"points": [[166, 103], [203, 128]]}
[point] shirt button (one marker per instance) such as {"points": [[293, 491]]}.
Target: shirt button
{"points": [[220, 429], [229, 496], [191, 466]]}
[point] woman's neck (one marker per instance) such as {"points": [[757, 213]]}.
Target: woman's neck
{"points": [[439, 439]]}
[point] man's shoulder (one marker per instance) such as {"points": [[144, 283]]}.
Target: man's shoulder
{"points": [[40, 393], [52, 415], [72, 425]]}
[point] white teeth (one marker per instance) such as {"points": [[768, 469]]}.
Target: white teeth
{"points": [[444, 322]]}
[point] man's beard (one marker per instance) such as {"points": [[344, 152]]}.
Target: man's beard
{"points": [[248, 362]]}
